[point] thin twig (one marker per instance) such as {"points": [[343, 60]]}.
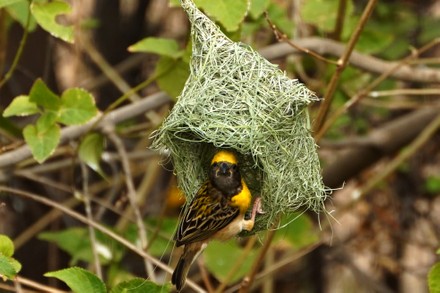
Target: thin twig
{"points": [[105, 230], [88, 208], [342, 63], [279, 264], [406, 92], [401, 157], [132, 197], [19, 52], [356, 98], [281, 37], [71, 132], [237, 264], [37, 286], [323, 46], [107, 69], [249, 279], [340, 19]]}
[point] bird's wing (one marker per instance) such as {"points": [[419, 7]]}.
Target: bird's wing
{"points": [[207, 214]]}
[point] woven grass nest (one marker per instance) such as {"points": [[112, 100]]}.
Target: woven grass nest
{"points": [[235, 99]]}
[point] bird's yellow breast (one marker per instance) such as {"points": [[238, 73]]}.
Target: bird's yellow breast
{"points": [[243, 199]]}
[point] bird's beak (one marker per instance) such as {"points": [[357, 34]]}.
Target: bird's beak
{"points": [[223, 169]]}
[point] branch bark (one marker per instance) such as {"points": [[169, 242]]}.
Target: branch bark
{"points": [[366, 62], [71, 132], [379, 143]]}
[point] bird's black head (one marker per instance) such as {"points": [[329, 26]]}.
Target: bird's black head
{"points": [[224, 174]]}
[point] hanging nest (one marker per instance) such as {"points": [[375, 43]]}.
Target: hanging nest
{"points": [[235, 99]]}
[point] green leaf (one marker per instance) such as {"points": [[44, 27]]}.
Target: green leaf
{"points": [[20, 106], [19, 10], [76, 242], [46, 15], [139, 285], [4, 3], [159, 245], [323, 13], [258, 7], [432, 184], [434, 279], [46, 121], [220, 257], [160, 46], [41, 95], [374, 40], [230, 13], [7, 268], [6, 246], [77, 107], [279, 16], [90, 151], [298, 232], [79, 280], [174, 3], [172, 75], [42, 142]]}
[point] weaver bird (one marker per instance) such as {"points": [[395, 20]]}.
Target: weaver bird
{"points": [[216, 212]]}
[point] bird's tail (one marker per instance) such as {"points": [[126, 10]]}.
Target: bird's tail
{"points": [[181, 271]]}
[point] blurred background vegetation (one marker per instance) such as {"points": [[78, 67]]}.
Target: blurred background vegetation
{"points": [[377, 131]]}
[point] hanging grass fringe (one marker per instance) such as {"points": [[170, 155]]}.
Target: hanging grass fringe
{"points": [[236, 99]]}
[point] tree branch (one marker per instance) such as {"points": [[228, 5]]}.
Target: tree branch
{"points": [[379, 143], [71, 132], [366, 62]]}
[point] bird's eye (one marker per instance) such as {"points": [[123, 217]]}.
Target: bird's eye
{"points": [[234, 167], [215, 164]]}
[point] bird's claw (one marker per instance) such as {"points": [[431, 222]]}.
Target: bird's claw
{"points": [[258, 206]]}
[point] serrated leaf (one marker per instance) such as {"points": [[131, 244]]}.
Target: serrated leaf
{"points": [[46, 14], [220, 257], [77, 107], [20, 106], [7, 269], [434, 279], [139, 285], [79, 280], [160, 46], [90, 151], [6, 246], [42, 143], [298, 232], [19, 10], [41, 95], [258, 7], [230, 13], [172, 75]]}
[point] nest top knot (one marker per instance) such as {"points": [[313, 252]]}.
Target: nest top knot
{"points": [[236, 99]]}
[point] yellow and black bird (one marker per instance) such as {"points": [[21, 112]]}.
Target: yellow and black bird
{"points": [[216, 212]]}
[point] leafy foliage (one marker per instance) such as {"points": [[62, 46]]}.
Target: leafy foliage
{"points": [[9, 267], [75, 106], [434, 279], [79, 280], [392, 31]]}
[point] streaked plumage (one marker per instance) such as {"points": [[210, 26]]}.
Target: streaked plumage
{"points": [[216, 212]]}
